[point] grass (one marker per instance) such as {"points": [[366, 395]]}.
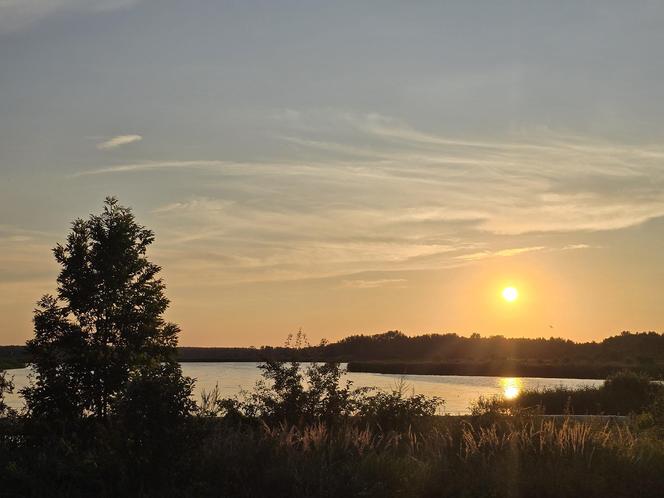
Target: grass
{"points": [[501, 456], [356, 449], [455, 457]]}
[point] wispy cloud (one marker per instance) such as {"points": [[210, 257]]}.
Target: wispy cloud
{"points": [[150, 165], [574, 247], [220, 166], [119, 141], [368, 193], [372, 284], [499, 254], [24, 254]]}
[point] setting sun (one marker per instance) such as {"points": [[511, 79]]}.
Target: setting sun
{"points": [[510, 294]]}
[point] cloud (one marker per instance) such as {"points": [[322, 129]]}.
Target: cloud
{"points": [[119, 141], [219, 166], [16, 15], [373, 284], [151, 165], [24, 255], [564, 182], [368, 193], [500, 254], [574, 247]]}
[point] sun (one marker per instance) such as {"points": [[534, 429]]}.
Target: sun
{"points": [[510, 294]]}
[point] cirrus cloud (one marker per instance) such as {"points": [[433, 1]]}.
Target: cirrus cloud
{"points": [[118, 141]]}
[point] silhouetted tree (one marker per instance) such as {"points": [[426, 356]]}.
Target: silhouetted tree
{"points": [[6, 386], [103, 338]]}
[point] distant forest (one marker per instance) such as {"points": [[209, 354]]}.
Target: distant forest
{"points": [[644, 347], [626, 349]]}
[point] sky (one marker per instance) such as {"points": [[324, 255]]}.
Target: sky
{"points": [[345, 167]]}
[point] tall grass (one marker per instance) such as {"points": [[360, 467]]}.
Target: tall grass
{"points": [[452, 456], [512, 457], [291, 444]]}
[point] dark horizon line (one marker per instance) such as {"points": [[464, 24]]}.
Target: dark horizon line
{"points": [[597, 341]]}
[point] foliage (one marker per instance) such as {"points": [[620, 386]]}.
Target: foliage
{"points": [[104, 331], [629, 390], [641, 348], [395, 409], [156, 399], [294, 395], [6, 387]]}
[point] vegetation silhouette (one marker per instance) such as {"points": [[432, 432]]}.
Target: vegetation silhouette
{"points": [[292, 394], [103, 335], [6, 387], [103, 357], [449, 354]]}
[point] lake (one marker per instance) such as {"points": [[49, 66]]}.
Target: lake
{"points": [[457, 391]]}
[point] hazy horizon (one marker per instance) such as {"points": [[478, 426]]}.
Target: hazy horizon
{"points": [[345, 168]]}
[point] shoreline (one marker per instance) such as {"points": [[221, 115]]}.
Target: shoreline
{"points": [[517, 369], [522, 370]]}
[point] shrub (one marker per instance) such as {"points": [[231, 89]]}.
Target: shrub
{"points": [[292, 394], [396, 410]]}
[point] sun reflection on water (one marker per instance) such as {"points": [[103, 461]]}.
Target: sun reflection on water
{"points": [[511, 387]]}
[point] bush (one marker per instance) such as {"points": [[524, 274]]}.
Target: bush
{"points": [[395, 410], [294, 395], [628, 391]]}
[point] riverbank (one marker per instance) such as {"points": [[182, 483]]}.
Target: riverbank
{"points": [[13, 357], [11, 363], [502, 369]]}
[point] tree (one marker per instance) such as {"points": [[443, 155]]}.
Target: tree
{"points": [[6, 387], [104, 331]]}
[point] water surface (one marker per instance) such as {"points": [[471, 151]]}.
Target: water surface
{"points": [[457, 391]]}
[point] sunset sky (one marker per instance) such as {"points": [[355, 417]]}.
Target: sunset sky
{"points": [[345, 167]]}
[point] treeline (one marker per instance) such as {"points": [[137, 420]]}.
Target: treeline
{"points": [[644, 349], [13, 357], [626, 348]]}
